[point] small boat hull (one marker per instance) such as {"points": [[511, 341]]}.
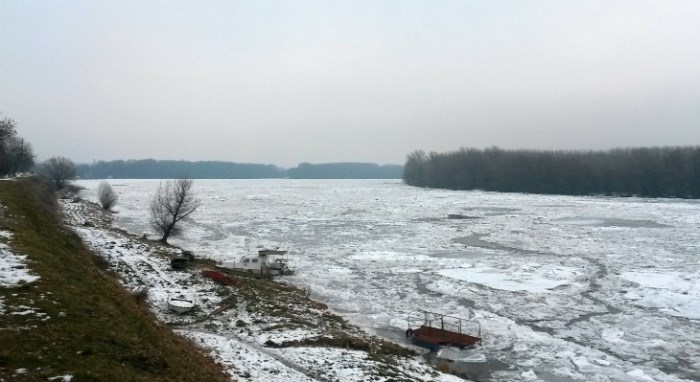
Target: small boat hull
{"points": [[181, 305], [434, 338], [434, 331], [245, 272], [219, 277], [425, 344]]}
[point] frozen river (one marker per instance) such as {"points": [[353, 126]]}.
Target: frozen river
{"points": [[565, 288]]}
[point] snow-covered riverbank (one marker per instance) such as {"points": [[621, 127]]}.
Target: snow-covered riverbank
{"points": [[250, 337]]}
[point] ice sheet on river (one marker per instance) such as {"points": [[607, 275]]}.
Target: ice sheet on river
{"points": [[567, 288]]}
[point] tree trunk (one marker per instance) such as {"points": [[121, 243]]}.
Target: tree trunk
{"points": [[166, 234]]}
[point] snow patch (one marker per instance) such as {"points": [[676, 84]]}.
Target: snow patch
{"points": [[639, 375], [243, 361], [13, 267], [63, 378]]}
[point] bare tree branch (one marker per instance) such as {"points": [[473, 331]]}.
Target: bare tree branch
{"points": [[8, 128], [173, 202], [16, 156], [59, 170]]}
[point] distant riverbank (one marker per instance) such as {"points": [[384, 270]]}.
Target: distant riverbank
{"points": [[169, 169]]}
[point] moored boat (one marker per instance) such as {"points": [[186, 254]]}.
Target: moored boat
{"points": [[435, 330], [219, 277], [266, 263], [181, 304]]}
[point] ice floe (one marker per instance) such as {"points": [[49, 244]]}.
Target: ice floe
{"points": [[676, 293], [531, 277]]}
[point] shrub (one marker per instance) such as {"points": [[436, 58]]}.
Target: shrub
{"points": [[106, 195]]}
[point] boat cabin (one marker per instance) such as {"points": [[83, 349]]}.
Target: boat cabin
{"points": [[267, 262]]}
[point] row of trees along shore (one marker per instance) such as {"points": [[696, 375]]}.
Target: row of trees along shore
{"points": [[648, 172], [17, 157], [170, 169]]}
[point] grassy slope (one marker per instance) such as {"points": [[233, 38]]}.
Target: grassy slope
{"points": [[96, 330]]}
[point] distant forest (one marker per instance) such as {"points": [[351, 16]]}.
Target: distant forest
{"points": [[345, 171], [169, 169], [649, 172]]}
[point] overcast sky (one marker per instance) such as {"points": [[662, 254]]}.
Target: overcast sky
{"points": [[284, 82]]}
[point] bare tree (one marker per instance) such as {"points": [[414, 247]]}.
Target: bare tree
{"points": [[18, 156], [106, 195], [8, 128], [173, 202], [58, 170], [7, 131]]}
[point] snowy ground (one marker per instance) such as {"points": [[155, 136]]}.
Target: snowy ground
{"points": [[250, 336], [14, 271], [565, 288]]}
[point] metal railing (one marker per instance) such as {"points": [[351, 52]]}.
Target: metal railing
{"points": [[445, 322]]}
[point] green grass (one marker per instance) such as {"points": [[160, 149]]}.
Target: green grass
{"points": [[96, 331]]}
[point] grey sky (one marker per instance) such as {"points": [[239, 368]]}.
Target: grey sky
{"points": [[328, 81]]}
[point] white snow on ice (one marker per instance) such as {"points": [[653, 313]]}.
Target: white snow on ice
{"points": [[530, 277], [566, 288], [676, 293]]}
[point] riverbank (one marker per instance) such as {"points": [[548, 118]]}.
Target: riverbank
{"points": [[70, 319], [258, 330]]}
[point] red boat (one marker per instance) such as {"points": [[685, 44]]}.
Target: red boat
{"points": [[435, 330], [219, 277]]}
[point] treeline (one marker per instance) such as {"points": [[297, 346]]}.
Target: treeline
{"points": [[16, 155], [170, 169], [345, 171], [649, 172]]}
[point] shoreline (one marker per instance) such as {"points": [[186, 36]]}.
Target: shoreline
{"points": [[279, 333]]}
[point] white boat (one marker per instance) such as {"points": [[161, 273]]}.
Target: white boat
{"points": [[266, 263], [181, 304]]}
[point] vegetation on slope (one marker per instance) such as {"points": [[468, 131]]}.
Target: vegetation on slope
{"points": [[89, 327], [650, 172]]}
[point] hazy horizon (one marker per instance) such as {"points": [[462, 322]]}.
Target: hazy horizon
{"points": [[241, 162], [283, 83]]}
